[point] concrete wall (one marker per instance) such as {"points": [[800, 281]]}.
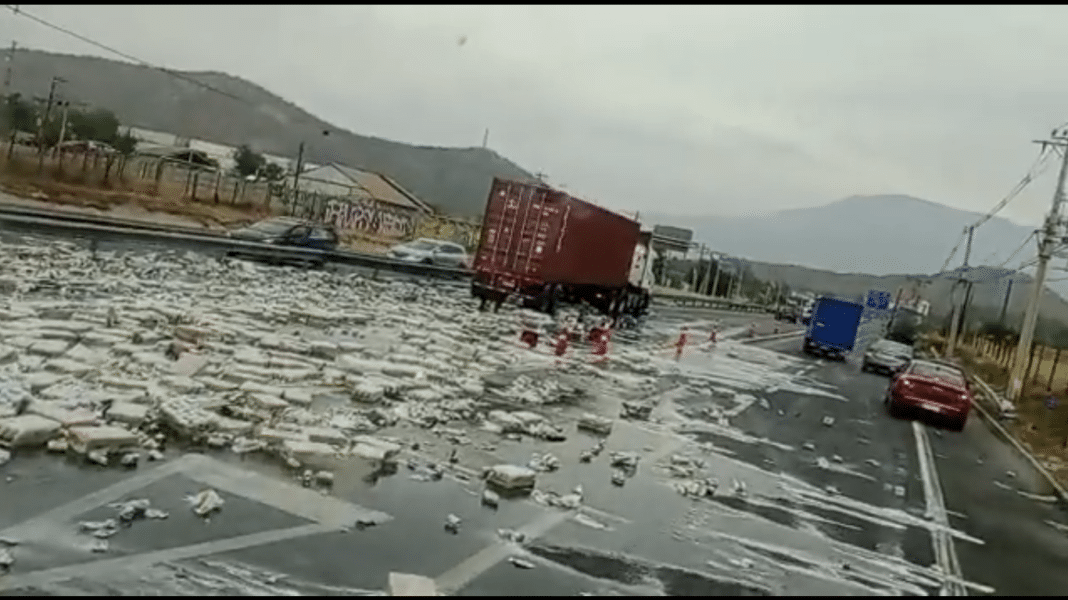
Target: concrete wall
{"points": [[370, 217]]}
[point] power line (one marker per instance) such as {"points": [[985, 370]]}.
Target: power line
{"points": [[1037, 168], [1040, 164], [19, 11], [953, 251], [1021, 247]]}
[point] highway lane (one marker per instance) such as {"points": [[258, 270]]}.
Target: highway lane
{"points": [[859, 504], [1012, 533]]}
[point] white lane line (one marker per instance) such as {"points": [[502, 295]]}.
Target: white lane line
{"points": [[72, 509], [944, 550], [456, 578], [142, 561]]}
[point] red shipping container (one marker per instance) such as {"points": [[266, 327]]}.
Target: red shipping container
{"points": [[533, 235]]}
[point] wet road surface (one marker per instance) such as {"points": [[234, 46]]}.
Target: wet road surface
{"points": [[814, 490]]}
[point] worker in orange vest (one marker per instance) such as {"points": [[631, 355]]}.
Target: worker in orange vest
{"points": [[600, 342], [563, 339], [680, 343]]}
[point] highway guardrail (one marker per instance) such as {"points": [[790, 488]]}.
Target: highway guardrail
{"points": [[112, 226], [231, 245]]}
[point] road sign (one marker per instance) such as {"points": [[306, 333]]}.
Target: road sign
{"points": [[878, 299]]}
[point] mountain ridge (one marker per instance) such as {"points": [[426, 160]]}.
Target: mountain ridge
{"points": [[455, 180]]}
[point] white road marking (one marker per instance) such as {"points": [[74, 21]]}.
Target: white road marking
{"points": [[944, 550], [330, 514], [457, 577], [140, 561]]}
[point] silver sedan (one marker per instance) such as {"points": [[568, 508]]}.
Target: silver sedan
{"points": [[885, 356]]}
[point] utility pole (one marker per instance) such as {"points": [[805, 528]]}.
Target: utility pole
{"points": [[63, 123], [485, 138], [10, 59], [697, 270], [1051, 238], [708, 274], [957, 318], [10, 64], [1005, 304], [963, 326], [741, 275], [299, 167], [48, 108]]}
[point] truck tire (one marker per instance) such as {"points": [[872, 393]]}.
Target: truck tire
{"points": [[806, 347]]}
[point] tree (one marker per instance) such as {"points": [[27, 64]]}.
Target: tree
{"points": [[20, 113], [273, 172], [100, 125], [248, 161], [125, 144]]}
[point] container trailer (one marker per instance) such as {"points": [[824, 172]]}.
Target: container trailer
{"points": [[542, 247]]}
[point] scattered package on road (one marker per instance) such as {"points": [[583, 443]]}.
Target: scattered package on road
{"points": [[206, 502]]}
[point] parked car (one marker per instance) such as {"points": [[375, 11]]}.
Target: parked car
{"points": [[83, 146], [929, 387], [432, 252], [791, 314], [886, 356], [287, 231], [806, 313]]}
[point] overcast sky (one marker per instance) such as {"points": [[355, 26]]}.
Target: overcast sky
{"points": [[685, 110]]}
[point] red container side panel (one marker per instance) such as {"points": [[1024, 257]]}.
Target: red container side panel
{"points": [[533, 234], [520, 226], [594, 247]]}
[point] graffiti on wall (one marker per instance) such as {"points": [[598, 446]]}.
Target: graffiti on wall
{"points": [[369, 216], [464, 233]]}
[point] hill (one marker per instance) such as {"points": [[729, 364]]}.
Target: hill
{"points": [[455, 180], [988, 294], [861, 234]]}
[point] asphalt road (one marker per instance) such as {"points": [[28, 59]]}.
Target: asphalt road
{"points": [[989, 492], [839, 498]]}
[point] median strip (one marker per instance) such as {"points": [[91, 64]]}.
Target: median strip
{"points": [[772, 337]]}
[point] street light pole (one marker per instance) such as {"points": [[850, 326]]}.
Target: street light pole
{"points": [[1051, 237], [715, 280]]}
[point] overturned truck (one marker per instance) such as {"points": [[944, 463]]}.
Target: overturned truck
{"points": [[542, 248]]}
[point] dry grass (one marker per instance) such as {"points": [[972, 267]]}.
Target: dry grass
{"points": [[207, 214]]}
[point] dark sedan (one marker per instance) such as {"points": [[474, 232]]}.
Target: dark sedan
{"points": [[287, 231], [886, 356], [932, 388]]}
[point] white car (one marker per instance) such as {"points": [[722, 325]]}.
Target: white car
{"points": [[432, 252]]}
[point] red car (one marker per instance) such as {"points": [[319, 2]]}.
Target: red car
{"points": [[930, 387]]}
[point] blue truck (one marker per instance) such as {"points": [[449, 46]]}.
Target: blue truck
{"points": [[832, 329]]}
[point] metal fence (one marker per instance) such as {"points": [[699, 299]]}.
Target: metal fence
{"points": [[1045, 364]]}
